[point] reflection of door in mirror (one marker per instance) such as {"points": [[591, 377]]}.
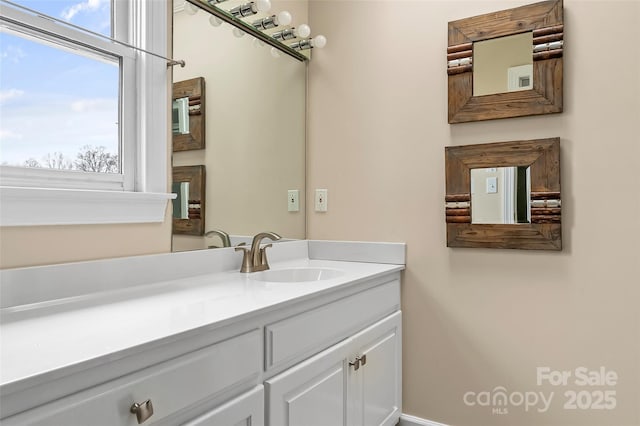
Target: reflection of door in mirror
{"points": [[500, 195], [255, 120], [503, 64]]}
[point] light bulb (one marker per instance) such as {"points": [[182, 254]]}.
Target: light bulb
{"points": [[263, 5], [303, 31], [215, 21], [275, 52], [284, 18], [257, 42], [238, 32], [319, 41], [191, 9]]}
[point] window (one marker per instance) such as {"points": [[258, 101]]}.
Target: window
{"points": [[66, 120], [80, 112]]}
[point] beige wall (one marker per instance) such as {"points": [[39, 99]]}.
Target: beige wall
{"points": [[475, 319], [42, 245]]}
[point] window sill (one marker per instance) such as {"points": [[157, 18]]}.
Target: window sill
{"points": [[23, 206]]}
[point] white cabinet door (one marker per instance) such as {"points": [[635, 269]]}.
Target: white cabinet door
{"points": [[312, 393], [245, 410], [375, 393]]}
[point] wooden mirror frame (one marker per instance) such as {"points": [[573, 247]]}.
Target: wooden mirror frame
{"points": [[543, 157], [194, 89], [545, 20], [195, 175]]}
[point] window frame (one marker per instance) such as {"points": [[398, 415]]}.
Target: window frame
{"points": [[139, 192]]}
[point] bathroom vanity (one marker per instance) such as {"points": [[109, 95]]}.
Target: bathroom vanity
{"points": [[186, 338]]}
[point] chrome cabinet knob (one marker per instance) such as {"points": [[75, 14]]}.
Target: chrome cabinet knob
{"points": [[142, 411]]}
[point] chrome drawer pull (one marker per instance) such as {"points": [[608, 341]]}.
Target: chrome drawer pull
{"points": [[142, 411]]}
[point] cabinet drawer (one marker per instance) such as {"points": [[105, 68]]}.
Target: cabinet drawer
{"points": [[171, 386], [295, 338], [245, 410]]}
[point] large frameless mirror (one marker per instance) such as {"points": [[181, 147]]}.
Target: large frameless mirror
{"points": [[254, 150]]}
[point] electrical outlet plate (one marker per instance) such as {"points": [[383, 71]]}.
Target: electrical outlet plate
{"points": [[293, 200], [321, 200]]}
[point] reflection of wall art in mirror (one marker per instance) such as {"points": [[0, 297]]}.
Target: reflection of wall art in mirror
{"points": [[545, 23], [189, 206], [189, 130], [542, 158]]}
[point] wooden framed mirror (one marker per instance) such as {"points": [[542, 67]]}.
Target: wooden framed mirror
{"points": [[188, 114], [189, 205], [530, 168], [528, 86]]}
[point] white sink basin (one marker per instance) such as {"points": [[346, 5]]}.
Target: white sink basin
{"points": [[295, 275]]}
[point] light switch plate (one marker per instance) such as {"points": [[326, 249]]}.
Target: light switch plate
{"points": [[293, 200], [492, 185], [321, 200]]}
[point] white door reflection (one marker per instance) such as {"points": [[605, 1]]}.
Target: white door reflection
{"points": [[500, 195]]}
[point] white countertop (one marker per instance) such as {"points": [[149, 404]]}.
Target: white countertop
{"points": [[48, 336]]}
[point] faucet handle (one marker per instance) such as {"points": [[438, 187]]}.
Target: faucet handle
{"points": [[263, 256], [246, 258]]}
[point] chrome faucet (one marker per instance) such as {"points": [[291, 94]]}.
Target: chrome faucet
{"points": [[226, 240], [255, 259]]}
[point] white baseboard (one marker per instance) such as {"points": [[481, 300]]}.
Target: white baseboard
{"points": [[407, 420]]}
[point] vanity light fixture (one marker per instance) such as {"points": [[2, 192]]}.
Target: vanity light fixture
{"points": [[318, 42], [250, 8], [302, 31], [236, 17], [282, 18]]}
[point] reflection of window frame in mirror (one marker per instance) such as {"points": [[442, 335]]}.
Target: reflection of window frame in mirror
{"points": [[545, 20], [542, 156]]}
